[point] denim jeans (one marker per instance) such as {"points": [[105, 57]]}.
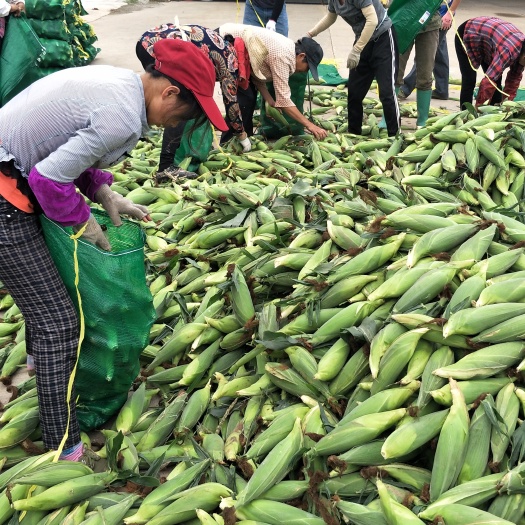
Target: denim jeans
{"points": [[251, 18]]}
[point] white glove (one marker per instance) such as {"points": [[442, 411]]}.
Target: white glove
{"points": [[271, 25], [246, 145], [353, 59], [115, 204], [93, 233]]}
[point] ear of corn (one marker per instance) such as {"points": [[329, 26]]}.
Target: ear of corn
{"points": [[507, 406], [357, 432], [274, 466], [471, 389], [342, 291], [471, 321], [53, 473], [510, 507], [476, 247], [158, 498], [241, 298], [67, 493], [131, 410], [274, 434], [289, 380], [394, 512], [206, 496], [442, 239], [360, 514], [383, 401], [413, 434], [457, 514], [478, 447], [451, 447], [350, 375], [467, 292], [416, 477], [348, 317], [418, 362], [380, 343], [472, 493], [332, 361], [274, 513], [509, 291], [194, 409], [76, 515], [485, 362], [396, 359], [367, 261], [112, 515], [161, 428]]}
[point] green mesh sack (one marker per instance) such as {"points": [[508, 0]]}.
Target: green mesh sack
{"points": [[118, 312], [59, 53], [50, 9], [271, 129], [195, 146], [21, 52], [409, 17], [55, 29], [82, 30]]}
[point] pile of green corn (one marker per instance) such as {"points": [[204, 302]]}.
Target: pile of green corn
{"points": [[340, 338]]}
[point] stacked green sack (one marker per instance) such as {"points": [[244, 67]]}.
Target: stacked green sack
{"points": [[67, 38]]}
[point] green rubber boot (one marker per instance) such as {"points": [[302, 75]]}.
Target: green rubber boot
{"points": [[423, 106], [382, 123]]}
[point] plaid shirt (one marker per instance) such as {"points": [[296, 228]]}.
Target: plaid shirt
{"points": [[498, 44]]}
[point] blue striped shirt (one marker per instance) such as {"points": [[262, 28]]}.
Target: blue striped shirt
{"points": [[73, 120]]}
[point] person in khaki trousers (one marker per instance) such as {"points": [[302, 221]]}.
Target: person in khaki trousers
{"points": [[426, 44]]}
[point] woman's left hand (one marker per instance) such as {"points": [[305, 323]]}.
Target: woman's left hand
{"points": [[116, 205]]}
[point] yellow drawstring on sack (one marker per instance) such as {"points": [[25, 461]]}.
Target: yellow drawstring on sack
{"points": [[75, 238]]}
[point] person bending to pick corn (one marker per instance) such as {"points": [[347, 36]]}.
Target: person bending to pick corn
{"points": [[374, 55], [495, 45], [228, 72], [56, 136], [273, 57]]}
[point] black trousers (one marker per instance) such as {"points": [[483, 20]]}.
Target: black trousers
{"points": [[469, 75], [247, 99], [379, 60]]}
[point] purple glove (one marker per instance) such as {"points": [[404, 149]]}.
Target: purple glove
{"points": [[60, 202]]}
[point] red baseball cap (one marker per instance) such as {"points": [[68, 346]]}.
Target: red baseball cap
{"points": [[186, 63]]}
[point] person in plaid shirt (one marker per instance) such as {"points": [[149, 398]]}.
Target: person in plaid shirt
{"points": [[495, 45]]}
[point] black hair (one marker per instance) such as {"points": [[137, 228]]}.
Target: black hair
{"points": [[299, 48], [194, 110], [228, 38], [522, 53]]}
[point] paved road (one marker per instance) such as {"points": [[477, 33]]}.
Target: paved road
{"points": [[119, 29]]}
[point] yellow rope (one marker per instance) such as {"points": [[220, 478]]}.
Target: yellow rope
{"points": [[75, 238]]}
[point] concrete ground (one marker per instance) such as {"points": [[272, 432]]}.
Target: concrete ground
{"points": [[119, 29]]}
